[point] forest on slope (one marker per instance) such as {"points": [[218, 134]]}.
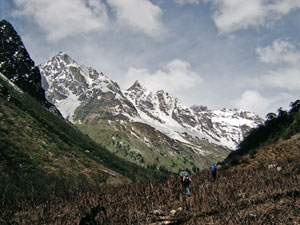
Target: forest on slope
{"points": [[278, 126]]}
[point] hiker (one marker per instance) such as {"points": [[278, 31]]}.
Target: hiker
{"points": [[185, 181], [182, 173], [214, 172]]}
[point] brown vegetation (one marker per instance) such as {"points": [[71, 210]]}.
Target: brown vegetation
{"points": [[263, 188]]}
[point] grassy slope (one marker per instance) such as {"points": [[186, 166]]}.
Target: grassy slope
{"points": [[42, 153], [283, 126], [261, 186], [248, 193], [147, 147], [139, 142]]}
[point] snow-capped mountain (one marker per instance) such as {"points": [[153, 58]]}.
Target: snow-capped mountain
{"points": [[71, 86], [226, 126], [223, 127], [147, 128]]}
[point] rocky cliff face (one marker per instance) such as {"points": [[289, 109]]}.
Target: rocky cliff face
{"points": [[18, 67]]}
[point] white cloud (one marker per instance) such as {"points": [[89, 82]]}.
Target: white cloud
{"points": [[177, 76], [61, 19], [253, 101], [233, 15], [286, 78], [182, 2], [140, 15], [279, 51]]}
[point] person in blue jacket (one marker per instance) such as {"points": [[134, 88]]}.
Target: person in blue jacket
{"points": [[214, 172]]}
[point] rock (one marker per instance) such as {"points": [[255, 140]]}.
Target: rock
{"points": [[271, 166], [251, 216], [179, 209], [17, 65], [173, 212], [242, 195], [157, 212], [279, 168]]}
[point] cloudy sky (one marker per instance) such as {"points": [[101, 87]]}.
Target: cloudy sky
{"points": [[217, 53]]}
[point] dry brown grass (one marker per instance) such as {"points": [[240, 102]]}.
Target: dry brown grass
{"points": [[248, 193]]}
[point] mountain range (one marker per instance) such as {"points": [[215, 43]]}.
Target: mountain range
{"points": [[137, 123], [151, 129]]}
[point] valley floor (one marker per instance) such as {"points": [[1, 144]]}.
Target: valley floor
{"points": [[261, 189]]}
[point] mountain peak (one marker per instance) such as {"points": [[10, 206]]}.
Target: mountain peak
{"points": [[137, 86], [199, 108], [69, 85], [162, 92], [5, 22], [64, 57], [17, 65]]}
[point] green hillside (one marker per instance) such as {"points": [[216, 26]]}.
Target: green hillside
{"points": [[278, 126], [149, 148], [41, 154], [262, 189]]}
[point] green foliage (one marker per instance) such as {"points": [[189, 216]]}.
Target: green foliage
{"points": [[143, 145], [41, 154], [281, 126], [195, 169]]}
